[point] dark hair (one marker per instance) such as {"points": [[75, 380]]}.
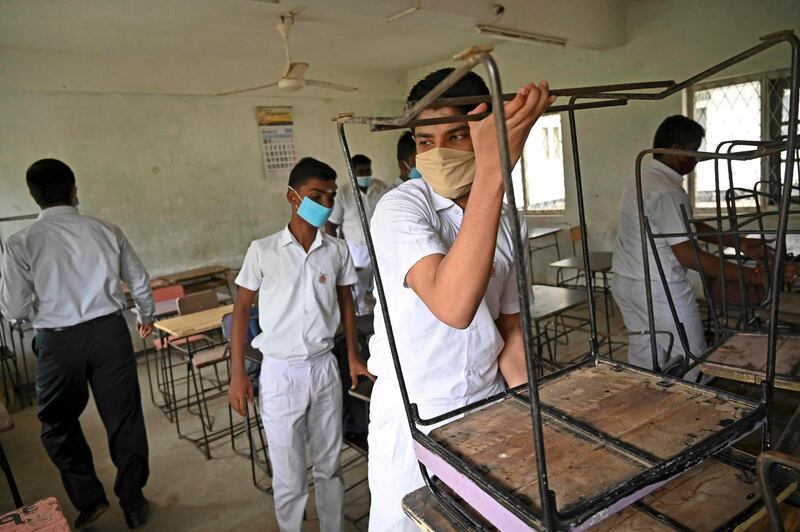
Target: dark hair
{"points": [[406, 146], [50, 182], [310, 168], [470, 85], [359, 159], [678, 130]]}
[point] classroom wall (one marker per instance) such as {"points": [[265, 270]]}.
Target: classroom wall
{"points": [[666, 40], [182, 175]]}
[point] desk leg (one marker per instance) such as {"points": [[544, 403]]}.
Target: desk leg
{"points": [[12, 484], [558, 249], [608, 318], [147, 366]]}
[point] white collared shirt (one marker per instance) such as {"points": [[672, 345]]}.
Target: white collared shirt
{"points": [[663, 194], [66, 269], [298, 309], [439, 363], [345, 210], [398, 181]]}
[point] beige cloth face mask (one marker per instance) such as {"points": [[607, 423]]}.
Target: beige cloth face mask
{"points": [[448, 171]]}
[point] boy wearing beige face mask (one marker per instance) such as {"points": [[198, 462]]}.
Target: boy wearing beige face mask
{"points": [[443, 246]]}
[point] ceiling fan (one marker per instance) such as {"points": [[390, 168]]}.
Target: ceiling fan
{"points": [[292, 79]]}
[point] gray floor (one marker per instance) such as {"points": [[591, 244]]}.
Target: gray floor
{"points": [[186, 491]]}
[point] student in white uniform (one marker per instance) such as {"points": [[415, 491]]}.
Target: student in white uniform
{"points": [[345, 214], [406, 159], [663, 193], [303, 278], [443, 244]]}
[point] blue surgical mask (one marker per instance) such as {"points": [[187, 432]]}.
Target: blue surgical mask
{"points": [[413, 173], [364, 180], [311, 211]]}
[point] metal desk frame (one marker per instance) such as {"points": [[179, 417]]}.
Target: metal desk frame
{"points": [[513, 509]]}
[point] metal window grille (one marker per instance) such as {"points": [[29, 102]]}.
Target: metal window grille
{"points": [[744, 108]]}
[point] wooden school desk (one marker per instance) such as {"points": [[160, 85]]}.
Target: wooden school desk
{"points": [[549, 302], [176, 328], [536, 233], [210, 275]]}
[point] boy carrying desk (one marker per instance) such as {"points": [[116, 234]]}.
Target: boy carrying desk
{"points": [[443, 246], [303, 277]]}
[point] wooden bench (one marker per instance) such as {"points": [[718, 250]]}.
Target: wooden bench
{"points": [[743, 357], [41, 516]]}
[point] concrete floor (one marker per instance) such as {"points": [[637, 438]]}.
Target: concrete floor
{"points": [[186, 491]]}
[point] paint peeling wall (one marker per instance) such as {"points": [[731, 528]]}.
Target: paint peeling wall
{"points": [[181, 175]]}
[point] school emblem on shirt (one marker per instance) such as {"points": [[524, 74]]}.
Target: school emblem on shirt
{"points": [[323, 278], [493, 271]]}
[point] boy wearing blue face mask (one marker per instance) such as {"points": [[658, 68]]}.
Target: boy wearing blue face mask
{"points": [[406, 159], [303, 278], [345, 214]]}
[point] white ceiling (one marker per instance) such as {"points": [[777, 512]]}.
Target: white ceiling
{"points": [[209, 46]]}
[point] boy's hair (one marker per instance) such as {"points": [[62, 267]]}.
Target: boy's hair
{"points": [[678, 130], [50, 182], [406, 146], [310, 168], [360, 160], [470, 85]]}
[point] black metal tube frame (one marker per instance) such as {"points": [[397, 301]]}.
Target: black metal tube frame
{"points": [[550, 519]]}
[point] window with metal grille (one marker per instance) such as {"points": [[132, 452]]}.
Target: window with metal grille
{"points": [[539, 175], [749, 108]]}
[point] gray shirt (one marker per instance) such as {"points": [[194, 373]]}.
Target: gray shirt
{"points": [[66, 269]]}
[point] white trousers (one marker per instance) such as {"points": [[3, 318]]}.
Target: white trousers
{"points": [[630, 297], [301, 402], [393, 468], [360, 255]]}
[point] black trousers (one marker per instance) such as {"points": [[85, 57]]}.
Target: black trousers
{"points": [[97, 353]]}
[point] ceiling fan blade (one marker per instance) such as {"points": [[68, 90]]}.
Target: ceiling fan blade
{"points": [[295, 70], [329, 85], [241, 91]]}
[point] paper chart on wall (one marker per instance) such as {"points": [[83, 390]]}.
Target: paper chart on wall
{"points": [[276, 133]]}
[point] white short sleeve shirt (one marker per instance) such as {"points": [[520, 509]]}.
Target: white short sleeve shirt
{"points": [[663, 195], [345, 210], [438, 361], [298, 307]]}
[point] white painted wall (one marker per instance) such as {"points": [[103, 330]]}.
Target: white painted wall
{"points": [[181, 175], [666, 40]]}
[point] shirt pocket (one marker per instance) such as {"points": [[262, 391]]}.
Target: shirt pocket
{"points": [[322, 284]]}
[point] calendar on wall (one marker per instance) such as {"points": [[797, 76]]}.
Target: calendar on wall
{"points": [[276, 133]]}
